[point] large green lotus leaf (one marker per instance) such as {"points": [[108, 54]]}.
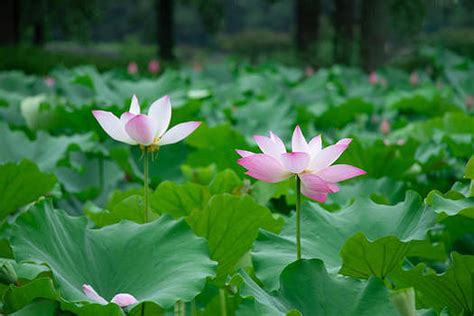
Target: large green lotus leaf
{"points": [[306, 286], [363, 258], [162, 261], [259, 117], [340, 115], [230, 224], [367, 156], [130, 208], [216, 145], [450, 207], [453, 289], [45, 150], [39, 308], [178, 200], [17, 297], [323, 234], [20, 184], [469, 171], [92, 177]]}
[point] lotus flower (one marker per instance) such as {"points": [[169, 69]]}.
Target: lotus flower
{"points": [[385, 127], [469, 102], [309, 71], [132, 68], [373, 78], [49, 81], [147, 130], [414, 78], [309, 161], [154, 66], [121, 299]]}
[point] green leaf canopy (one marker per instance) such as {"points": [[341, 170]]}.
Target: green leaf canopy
{"points": [[162, 261]]}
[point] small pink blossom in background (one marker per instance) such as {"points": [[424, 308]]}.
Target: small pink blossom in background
{"points": [[385, 127], [154, 66], [309, 71], [49, 81], [148, 130], [386, 142], [132, 68], [373, 78], [469, 102], [197, 67], [309, 161], [121, 299], [401, 142], [414, 78]]}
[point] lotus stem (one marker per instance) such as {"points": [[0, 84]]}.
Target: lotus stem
{"points": [[222, 298], [145, 185], [298, 218]]}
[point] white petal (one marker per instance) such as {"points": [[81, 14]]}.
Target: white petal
{"points": [[134, 106], [92, 294], [113, 126], [160, 110], [298, 142], [178, 132]]}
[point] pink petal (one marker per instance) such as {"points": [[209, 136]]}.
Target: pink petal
{"points": [[338, 173], [315, 145], [178, 132], [264, 167], [160, 110], [244, 153], [92, 294], [112, 126], [295, 162], [298, 142], [270, 145], [142, 129], [134, 106], [125, 117], [328, 155], [344, 141], [124, 299], [314, 183], [317, 196], [277, 140]]}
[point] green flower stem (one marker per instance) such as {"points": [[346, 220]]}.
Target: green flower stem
{"points": [[223, 304], [180, 308], [298, 218], [145, 185]]}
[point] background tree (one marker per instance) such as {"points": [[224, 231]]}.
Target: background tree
{"points": [[307, 14], [344, 29], [10, 22]]}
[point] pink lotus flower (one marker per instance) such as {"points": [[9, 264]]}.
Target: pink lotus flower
{"points": [[373, 78], [309, 161], [385, 127], [154, 66], [121, 299], [49, 81], [147, 130], [414, 78], [309, 71], [469, 102], [132, 68]]}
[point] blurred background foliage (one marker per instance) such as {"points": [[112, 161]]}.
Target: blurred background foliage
{"points": [[36, 36]]}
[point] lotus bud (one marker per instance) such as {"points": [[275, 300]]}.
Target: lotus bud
{"points": [[404, 301]]}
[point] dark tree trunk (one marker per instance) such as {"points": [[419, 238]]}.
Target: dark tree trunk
{"points": [[38, 33], [343, 23], [307, 23], [10, 22], [165, 28], [373, 31]]}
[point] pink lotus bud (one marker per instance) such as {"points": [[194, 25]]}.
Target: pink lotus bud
{"points": [[401, 142], [469, 102], [154, 66], [373, 78], [132, 68], [49, 81], [385, 127], [197, 67], [309, 71], [414, 78], [386, 142]]}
